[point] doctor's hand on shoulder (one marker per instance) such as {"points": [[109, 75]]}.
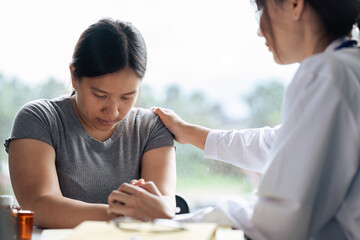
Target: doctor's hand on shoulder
{"points": [[184, 132], [141, 200]]}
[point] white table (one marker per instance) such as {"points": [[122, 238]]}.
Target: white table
{"points": [[221, 234], [36, 234]]}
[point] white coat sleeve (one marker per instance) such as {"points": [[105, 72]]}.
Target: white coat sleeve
{"points": [[313, 162], [247, 149]]}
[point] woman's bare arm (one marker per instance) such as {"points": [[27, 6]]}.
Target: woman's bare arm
{"points": [[35, 183], [159, 166]]}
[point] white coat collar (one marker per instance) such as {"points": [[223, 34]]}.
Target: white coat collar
{"points": [[334, 44]]}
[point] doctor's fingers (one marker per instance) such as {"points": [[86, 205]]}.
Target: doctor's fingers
{"points": [[173, 122], [160, 110], [165, 115]]}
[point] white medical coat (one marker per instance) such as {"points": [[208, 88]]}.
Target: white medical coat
{"points": [[311, 183]]}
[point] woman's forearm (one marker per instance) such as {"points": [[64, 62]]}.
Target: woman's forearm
{"points": [[59, 212], [195, 135]]}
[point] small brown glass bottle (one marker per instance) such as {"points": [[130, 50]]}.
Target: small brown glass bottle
{"points": [[25, 220]]}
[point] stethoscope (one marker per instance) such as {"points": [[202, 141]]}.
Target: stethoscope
{"points": [[348, 44]]}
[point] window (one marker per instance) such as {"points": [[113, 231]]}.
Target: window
{"points": [[205, 61]]}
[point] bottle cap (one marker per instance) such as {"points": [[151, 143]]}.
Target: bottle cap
{"points": [[6, 200], [26, 213]]}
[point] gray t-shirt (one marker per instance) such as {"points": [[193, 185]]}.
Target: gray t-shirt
{"points": [[87, 169]]}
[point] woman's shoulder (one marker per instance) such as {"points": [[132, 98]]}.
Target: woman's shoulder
{"points": [[332, 62], [43, 106], [37, 107], [331, 68], [143, 120], [143, 115], [37, 119], [149, 127]]}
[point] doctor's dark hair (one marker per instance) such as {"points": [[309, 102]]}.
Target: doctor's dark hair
{"points": [[338, 16], [108, 46]]}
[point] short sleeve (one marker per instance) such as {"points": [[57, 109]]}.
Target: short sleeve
{"points": [[31, 121], [159, 135]]}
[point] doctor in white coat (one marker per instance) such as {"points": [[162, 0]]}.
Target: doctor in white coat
{"points": [[310, 187]]}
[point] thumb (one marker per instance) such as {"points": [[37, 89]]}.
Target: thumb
{"points": [[157, 110], [161, 112]]}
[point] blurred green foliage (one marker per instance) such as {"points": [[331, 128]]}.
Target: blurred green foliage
{"points": [[14, 94], [265, 104]]}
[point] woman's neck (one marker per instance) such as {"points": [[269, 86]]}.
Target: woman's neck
{"points": [[314, 36], [314, 44], [93, 132]]}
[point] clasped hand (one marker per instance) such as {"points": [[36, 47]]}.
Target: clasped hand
{"points": [[141, 200]]}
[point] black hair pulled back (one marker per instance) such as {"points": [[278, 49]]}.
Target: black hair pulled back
{"points": [[108, 46], [338, 16]]}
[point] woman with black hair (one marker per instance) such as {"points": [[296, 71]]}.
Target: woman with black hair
{"points": [[311, 183], [69, 157]]}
